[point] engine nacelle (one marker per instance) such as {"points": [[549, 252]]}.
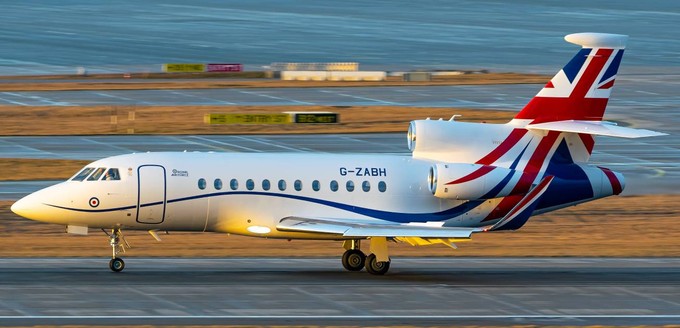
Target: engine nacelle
{"points": [[451, 141], [467, 181]]}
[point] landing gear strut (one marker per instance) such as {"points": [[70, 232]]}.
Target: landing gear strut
{"points": [[118, 244]]}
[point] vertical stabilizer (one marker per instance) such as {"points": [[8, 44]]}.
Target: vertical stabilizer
{"points": [[580, 90]]}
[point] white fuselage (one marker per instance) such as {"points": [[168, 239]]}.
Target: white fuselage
{"points": [[249, 194], [196, 192]]}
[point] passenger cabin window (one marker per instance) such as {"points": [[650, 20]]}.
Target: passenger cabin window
{"points": [[266, 184], [250, 184], [298, 185], [233, 184], [201, 183], [83, 174], [366, 186], [282, 185], [112, 175], [97, 174], [316, 185], [218, 184], [334, 185], [382, 186], [350, 185]]}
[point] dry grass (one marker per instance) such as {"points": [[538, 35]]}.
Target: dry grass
{"points": [[102, 120], [17, 169], [616, 226], [140, 84]]}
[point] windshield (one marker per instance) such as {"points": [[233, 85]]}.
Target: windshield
{"points": [[83, 174], [97, 174], [112, 174]]}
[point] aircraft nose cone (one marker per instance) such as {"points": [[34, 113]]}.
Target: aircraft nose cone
{"points": [[22, 207]]}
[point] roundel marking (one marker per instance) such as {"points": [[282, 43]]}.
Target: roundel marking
{"points": [[94, 202]]}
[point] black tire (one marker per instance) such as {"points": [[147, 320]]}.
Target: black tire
{"points": [[375, 267], [353, 260], [117, 264]]}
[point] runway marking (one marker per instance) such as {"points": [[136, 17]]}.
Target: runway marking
{"points": [[13, 102], [363, 98], [110, 145], [123, 98], [217, 101], [269, 143], [275, 97], [39, 99], [224, 144]]}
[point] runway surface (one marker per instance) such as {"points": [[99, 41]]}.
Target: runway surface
{"points": [[140, 36], [418, 291]]}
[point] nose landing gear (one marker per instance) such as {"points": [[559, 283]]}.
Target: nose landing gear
{"points": [[118, 245]]}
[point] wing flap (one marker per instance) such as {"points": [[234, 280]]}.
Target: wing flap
{"points": [[409, 231], [595, 128], [373, 229]]}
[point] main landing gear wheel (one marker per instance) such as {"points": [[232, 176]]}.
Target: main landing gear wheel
{"points": [[353, 260], [375, 267], [117, 264]]}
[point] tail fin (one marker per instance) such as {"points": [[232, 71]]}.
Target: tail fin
{"points": [[580, 90]]}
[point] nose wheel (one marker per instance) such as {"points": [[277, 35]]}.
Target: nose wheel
{"points": [[116, 264], [118, 245]]}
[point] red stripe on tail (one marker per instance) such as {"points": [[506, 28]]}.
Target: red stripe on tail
{"points": [[504, 147], [474, 175]]}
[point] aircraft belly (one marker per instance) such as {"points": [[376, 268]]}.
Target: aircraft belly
{"points": [[260, 216]]}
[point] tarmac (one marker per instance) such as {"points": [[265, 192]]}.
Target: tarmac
{"points": [[316, 291]]}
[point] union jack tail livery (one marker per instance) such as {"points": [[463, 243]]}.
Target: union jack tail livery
{"points": [[545, 148], [580, 90]]}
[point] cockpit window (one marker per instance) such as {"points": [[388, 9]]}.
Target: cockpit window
{"points": [[112, 174], [83, 174], [97, 174]]}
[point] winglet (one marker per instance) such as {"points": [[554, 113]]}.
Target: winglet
{"points": [[520, 214]]}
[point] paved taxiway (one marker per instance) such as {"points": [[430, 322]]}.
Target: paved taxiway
{"points": [[556, 291]]}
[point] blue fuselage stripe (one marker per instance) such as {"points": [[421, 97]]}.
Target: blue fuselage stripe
{"points": [[383, 215]]}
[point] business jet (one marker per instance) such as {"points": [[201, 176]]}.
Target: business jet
{"points": [[460, 178]]}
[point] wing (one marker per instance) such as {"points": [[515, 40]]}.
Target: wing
{"points": [[415, 233], [364, 229]]}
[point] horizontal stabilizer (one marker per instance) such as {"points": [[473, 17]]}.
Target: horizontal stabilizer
{"points": [[595, 128]]}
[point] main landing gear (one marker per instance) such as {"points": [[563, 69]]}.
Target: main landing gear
{"points": [[355, 260], [118, 245]]}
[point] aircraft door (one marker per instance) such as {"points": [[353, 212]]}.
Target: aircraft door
{"points": [[151, 195]]}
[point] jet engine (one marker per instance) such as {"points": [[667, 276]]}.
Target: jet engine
{"points": [[468, 181]]}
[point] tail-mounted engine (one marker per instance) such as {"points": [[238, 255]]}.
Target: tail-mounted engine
{"points": [[468, 181], [451, 141]]}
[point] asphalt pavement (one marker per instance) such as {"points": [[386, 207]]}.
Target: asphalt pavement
{"points": [[316, 291]]}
